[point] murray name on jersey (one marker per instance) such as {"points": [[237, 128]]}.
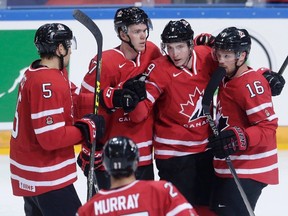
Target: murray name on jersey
{"points": [[118, 203]]}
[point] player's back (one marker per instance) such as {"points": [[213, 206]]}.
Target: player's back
{"points": [[153, 198]]}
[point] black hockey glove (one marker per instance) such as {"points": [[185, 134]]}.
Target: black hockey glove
{"points": [[275, 80], [112, 98], [92, 126], [205, 39], [137, 85], [228, 142], [83, 159]]}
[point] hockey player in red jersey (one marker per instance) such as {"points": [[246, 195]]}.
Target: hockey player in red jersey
{"points": [[42, 159], [119, 64], [247, 124], [129, 196], [175, 86]]}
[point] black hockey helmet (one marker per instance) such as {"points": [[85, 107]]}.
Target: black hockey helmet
{"points": [[233, 39], [49, 36], [128, 16], [120, 156], [177, 31]]}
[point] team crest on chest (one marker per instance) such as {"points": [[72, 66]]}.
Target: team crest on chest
{"points": [[192, 109]]}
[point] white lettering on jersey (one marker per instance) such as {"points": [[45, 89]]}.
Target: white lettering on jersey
{"points": [[47, 93], [27, 187], [149, 69], [171, 189], [124, 119], [196, 124], [114, 204]]}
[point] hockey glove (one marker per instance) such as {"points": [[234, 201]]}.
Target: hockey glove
{"points": [[275, 81], [137, 85], [205, 39], [92, 126], [228, 142], [111, 98], [84, 157]]}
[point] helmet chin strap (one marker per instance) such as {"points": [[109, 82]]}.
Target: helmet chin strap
{"points": [[61, 60], [237, 68], [187, 61], [189, 58], [130, 44]]}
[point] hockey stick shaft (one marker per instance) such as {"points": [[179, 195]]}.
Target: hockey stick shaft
{"points": [[206, 104], [93, 28], [283, 66]]}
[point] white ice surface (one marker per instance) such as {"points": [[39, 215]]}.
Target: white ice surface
{"points": [[272, 202]]}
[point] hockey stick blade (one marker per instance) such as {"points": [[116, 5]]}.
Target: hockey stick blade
{"points": [[90, 25], [206, 104], [93, 28], [283, 67]]}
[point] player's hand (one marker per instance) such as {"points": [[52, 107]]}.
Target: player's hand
{"points": [[83, 159], [92, 126], [205, 39], [111, 98], [276, 81], [137, 85], [228, 142]]}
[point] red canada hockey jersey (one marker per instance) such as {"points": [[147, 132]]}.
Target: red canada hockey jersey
{"points": [[246, 102], [41, 147], [153, 198], [180, 127], [116, 69]]}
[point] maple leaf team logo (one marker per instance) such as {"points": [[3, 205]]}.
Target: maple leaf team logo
{"points": [[221, 119], [193, 108]]}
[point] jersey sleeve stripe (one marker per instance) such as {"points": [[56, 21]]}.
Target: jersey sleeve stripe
{"points": [[179, 208], [43, 169], [45, 183], [47, 113], [49, 128], [258, 108], [88, 87]]}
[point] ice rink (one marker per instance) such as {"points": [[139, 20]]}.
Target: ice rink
{"points": [[272, 201]]}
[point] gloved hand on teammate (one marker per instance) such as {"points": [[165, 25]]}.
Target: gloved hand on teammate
{"points": [[83, 159], [92, 126], [111, 98], [275, 80], [137, 85], [205, 39], [228, 142]]}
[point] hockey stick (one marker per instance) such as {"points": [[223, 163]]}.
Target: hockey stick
{"points": [[206, 104], [93, 28], [283, 66]]}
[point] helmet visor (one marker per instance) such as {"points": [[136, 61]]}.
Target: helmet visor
{"points": [[72, 43]]}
